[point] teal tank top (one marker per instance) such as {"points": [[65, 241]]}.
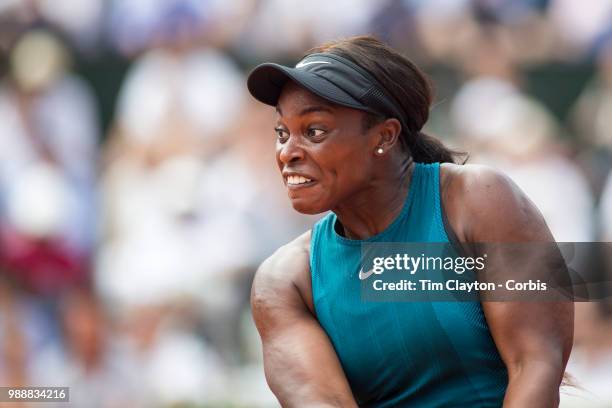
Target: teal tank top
{"points": [[404, 354]]}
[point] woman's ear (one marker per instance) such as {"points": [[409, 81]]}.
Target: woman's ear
{"points": [[388, 134]]}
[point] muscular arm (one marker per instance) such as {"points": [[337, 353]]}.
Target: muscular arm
{"points": [[534, 338], [300, 364]]}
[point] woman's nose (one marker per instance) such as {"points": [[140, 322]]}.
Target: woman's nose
{"points": [[291, 151]]}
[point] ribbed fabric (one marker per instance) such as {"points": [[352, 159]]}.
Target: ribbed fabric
{"points": [[404, 354]]}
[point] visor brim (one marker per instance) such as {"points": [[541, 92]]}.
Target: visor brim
{"points": [[267, 80]]}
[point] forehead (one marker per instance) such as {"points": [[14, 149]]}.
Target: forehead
{"points": [[294, 97]]}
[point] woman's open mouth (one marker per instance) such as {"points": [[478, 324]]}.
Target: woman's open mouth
{"points": [[297, 181]]}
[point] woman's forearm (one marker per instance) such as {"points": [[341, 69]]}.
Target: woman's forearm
{"points": [[533, 384], [302, 373]]}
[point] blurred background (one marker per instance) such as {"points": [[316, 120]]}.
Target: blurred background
{"points": [[138, 189]]}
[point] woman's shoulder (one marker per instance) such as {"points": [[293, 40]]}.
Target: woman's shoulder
{"points": [[294, 252], [476, 197], [471, 175], [289, 259], [286, 269], [474, 182]]}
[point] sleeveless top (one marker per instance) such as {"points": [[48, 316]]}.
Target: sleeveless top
{"points": [[404, 354]]}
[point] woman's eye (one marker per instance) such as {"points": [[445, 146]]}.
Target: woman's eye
{"points": [[281, 134], [312, 132]]}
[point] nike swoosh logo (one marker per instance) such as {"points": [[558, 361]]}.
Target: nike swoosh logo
{"points": [[365, 275], [303, 64]]}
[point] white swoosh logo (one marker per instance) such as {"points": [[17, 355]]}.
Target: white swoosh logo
{"points": [[365, 275], [303, 64]]}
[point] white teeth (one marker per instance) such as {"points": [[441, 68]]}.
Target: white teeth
{"points": [[297, 180]]}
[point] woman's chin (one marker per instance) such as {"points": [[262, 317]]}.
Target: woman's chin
{"points": [[307, 207]]}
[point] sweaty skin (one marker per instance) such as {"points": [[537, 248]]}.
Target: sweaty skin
{"points": [[326, 143]]}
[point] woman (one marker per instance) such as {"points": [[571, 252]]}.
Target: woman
{"points": [[349, 117]]}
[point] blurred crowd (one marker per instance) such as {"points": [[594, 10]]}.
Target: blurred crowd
{"points": [[135, 208]]}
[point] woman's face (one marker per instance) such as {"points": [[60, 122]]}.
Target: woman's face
{"points": [[322, 150]]}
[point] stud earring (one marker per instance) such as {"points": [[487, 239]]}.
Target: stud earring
{"points": [[379, 150]]}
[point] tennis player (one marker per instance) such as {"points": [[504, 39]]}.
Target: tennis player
{"points": [[349, 140]]}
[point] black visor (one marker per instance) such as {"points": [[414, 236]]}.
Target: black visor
{"points": [[329, 76]]}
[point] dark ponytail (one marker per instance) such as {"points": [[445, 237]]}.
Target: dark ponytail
{"points": [[406, 84], [428, 149]]}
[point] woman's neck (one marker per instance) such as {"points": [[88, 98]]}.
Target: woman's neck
{"points": [[373, 209]]}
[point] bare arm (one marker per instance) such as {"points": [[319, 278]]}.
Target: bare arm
{"points": [[300, 363], [534, 338]]}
